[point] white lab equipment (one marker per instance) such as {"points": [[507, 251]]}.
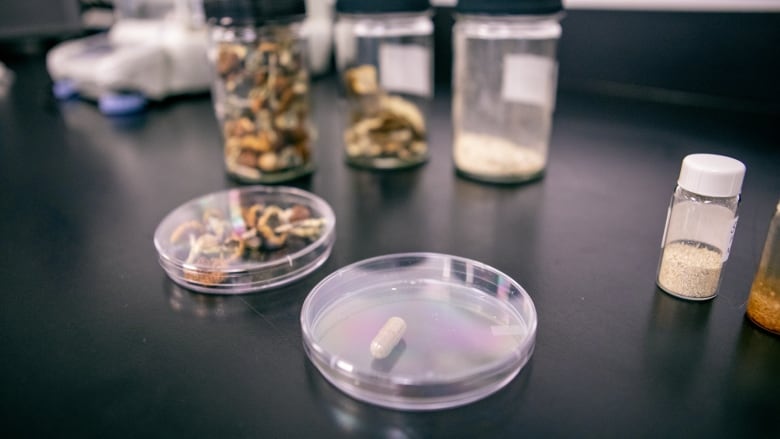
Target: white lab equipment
{"points": [[156, 49]]}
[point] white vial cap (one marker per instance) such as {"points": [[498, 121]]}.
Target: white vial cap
{"points": [[711, 175]]}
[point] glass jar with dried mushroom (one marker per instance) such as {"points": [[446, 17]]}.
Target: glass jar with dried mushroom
{"points": [[763, 306], [383, 53], [261, 88]]}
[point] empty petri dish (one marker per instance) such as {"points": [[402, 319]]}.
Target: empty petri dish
{"points": [[246, 239], [469, 330]]}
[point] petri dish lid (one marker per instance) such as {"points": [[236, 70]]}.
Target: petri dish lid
{"points": [[470, 329], [246, 239]]}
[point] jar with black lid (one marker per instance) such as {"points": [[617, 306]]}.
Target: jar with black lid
{"points": [[384, 54], [504, 83], [261, 88]]}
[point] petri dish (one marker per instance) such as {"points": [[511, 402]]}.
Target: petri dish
{"points": [[245, 239], [470, 329]]}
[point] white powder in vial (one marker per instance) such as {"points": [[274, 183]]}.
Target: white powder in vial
{"points": [[690, 269], [491, 156]]}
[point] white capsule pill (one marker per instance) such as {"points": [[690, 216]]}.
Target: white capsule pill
{"points": [[388, 337]]}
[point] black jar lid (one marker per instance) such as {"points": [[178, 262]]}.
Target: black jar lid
{"points": [[381, 6], [509, 7], [257, 12]]}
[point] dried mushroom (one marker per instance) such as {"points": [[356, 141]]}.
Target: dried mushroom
{"points": [[383, 126], [213, 244], [265, 109], [361, 80]]}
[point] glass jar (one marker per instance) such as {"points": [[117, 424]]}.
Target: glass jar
{"points": [[700, 226], [384, 56], [504, 83], [763, 306], [261, 88]]}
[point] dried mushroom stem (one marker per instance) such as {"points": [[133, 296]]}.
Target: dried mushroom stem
{"points": [[186, 229], [306, 228]]}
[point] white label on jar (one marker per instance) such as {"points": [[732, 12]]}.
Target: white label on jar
{"points": [[405, 68], [529, 79], [730, 239]]}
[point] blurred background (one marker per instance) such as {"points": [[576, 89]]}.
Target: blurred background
{"points": [[720, 53]]}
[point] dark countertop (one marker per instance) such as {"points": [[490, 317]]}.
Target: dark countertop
{"points": [[97, 342]]}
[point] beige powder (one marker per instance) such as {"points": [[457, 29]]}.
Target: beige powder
{"points": [[690, 270], [491, 156]]}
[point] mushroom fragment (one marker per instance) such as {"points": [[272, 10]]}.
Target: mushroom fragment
{"points": [[213, 244]]}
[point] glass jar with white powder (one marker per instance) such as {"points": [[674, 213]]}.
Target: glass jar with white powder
{"points": [[700, 226], [504, 83]]}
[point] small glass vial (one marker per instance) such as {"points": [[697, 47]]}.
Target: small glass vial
{"points": [[504, 83], [384, 56], [261, 88], [763, 306], [700, 226]]}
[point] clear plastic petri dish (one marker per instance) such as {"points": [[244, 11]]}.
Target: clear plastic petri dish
{"points": [[469, 330], [245, 240]]}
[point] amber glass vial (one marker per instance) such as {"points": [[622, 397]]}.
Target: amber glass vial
{"points": [[763, 306]]}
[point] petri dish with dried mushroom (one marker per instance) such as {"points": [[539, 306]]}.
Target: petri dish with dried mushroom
{"points": [[245, 240]]}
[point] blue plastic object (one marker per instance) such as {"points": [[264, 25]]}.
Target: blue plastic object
{"points": [[64, 89], [119, 104]]}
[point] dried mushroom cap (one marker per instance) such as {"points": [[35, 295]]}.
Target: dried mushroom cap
{"points": [[270, 216], [258, 143], [267, 46], [270, 239], [418, 147], [251, 214], [247, 157], [267, 161], [238, 127], [228, 60], [406, 110], [266, 224], [365, 126], [297, 212], [362, 80]]}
